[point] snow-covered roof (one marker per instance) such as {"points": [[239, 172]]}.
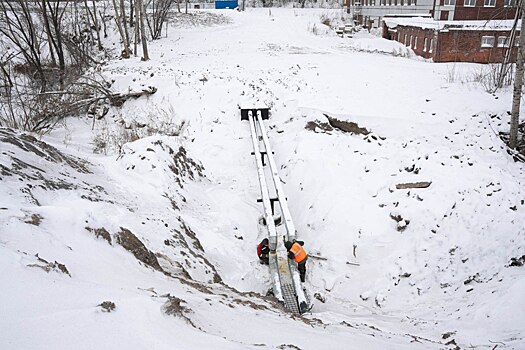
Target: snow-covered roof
{"points": [[429, 23], [407, 15]]}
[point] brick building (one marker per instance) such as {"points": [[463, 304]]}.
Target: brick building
{"points": [[371, 12], [454, 41]]}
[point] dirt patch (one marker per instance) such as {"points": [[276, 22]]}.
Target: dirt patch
{"points": [[250, 304], [288, 346], [319, 127], [346, 126], [174, 307], [198, 246], [50, 266], [131, 243], [107, 306], [184, 165], [43, 150], [401, 222], [100, 233], [518, 262], [35, 220]]}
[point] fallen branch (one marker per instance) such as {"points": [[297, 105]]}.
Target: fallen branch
{"points": [[317, 257], [423, 184], [118, 99]]}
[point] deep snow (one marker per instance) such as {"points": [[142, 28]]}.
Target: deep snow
{"points": [[442, 274]]}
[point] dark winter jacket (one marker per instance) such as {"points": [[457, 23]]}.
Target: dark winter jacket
{"points": [[262, 249]]}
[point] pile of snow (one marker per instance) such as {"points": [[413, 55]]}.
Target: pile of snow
{"points": [[165, 224]]}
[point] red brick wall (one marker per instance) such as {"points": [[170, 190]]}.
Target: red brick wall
{"points": [[452, 45], [465, 46], [479, 12], [421, 34]]}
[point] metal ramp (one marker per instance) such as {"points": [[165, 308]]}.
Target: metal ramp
{"points": [[286, 282]]}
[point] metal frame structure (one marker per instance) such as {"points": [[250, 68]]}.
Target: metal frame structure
{"points": [[285, 278]]}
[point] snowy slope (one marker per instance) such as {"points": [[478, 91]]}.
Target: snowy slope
{"points": [[398, 268]]}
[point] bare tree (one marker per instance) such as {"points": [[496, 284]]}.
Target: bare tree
{"points": [[17, 26], [131, 13], [137, 28], [125, 49], [160, 10], [518, 83], [97, 27], [145, 55], [56, 13], [124, 23], [48, 32]]}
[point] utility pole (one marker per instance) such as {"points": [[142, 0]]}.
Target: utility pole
{"points": [[518, 83]]}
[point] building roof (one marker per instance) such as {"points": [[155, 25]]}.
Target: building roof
{"points": [[429, 23]]}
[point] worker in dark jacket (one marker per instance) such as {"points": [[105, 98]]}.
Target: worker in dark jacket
{"points": [[296, 252], [263, 251]]}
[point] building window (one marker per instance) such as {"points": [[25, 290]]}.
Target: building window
{"points": [[487, 41], [411, 41], [470, 3], [503, 41], [452, 2], [415, 43], [425, 43], [490, 3], [431, 48], [509, 3], [413, 2]]}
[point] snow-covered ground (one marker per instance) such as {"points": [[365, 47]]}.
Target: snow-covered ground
{"points": [[425, 268]]}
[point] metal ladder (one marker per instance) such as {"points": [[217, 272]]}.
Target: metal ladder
{"points": [[286, 282]]}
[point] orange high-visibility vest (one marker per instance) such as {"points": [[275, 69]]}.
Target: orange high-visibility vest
{"points": [[298, 252]]}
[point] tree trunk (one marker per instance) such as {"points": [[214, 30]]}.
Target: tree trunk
{"points": [[89, 18], [48, 33], [77, 20], [131, 12], [125, 51], [95, 19], [56, 19], [124, 24], [137, 28], [103, 20], [518, 83], [145, 55]]}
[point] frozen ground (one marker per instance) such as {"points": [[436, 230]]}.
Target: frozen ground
{"points": [[398, 268]]}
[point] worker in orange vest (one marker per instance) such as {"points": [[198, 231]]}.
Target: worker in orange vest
{"points": [[296, 252]]}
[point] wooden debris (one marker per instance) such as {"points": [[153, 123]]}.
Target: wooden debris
{"points": [[346, 126], [118, 99], [422, 184], [317, 257]]}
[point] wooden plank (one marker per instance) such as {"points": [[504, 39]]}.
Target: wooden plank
{"points": [[422, 184]]}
